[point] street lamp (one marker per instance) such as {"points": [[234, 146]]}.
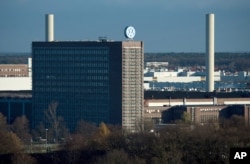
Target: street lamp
{"points": [[31, 140], [46, 139]]}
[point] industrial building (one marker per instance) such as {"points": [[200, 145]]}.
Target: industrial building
{"points": [[168, 107], [14, 70], [16, 77], [203, 114], [194, 81]]}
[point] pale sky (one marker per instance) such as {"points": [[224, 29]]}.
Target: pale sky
{"points": [[163, 25]]}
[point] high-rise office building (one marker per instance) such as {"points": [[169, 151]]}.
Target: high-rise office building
{"points": [[96, 81]]}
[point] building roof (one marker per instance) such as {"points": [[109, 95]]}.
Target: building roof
{"points": [[197, 95], [15, 94]]}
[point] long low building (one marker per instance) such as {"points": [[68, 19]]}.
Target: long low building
{"points": [[206, 113], [158, 102], [190, 101]]}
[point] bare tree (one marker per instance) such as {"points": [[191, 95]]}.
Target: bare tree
{"points": [[103, 130], [115, 156], [86, 129], [186, 118], [55, 122], [148, 124], [39, 131], [51, 117], [20, 158], [3, 123], [139, 124], [21, 128], [10, 143]]}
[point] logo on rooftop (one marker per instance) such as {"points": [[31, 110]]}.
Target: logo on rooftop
{"points": [[129, 32]]}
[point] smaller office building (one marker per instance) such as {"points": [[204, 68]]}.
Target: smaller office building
{"points": [[15, 104]]}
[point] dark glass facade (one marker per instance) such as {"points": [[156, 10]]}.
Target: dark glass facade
{"points": [[13, 107], [84, 78]]}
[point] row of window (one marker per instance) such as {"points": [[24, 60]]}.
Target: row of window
{"points": [[132, 50], [57, 65], [69, 85], [86, 104], [69, 50], [205, 118], [70, 72], [13, 70], [71, 58], [68, 90]]}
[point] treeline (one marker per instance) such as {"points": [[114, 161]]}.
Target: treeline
{"points": [[179, 143], [223, 61], [182, 143]]}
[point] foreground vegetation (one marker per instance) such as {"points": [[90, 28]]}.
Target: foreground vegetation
{"points": [[181, 143]]}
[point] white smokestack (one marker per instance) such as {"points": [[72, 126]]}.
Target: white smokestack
{"points": [[210, 52], [49, 27]]}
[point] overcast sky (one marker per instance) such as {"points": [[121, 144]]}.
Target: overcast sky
{"points": [[163, 25]]}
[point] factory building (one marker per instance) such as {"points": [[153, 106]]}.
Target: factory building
{"points": [[204, 114], [14, 70], [16, 77], [202, 107]]}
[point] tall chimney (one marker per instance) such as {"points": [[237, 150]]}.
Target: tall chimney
{"points": [[49, 27], [210, 52]]}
